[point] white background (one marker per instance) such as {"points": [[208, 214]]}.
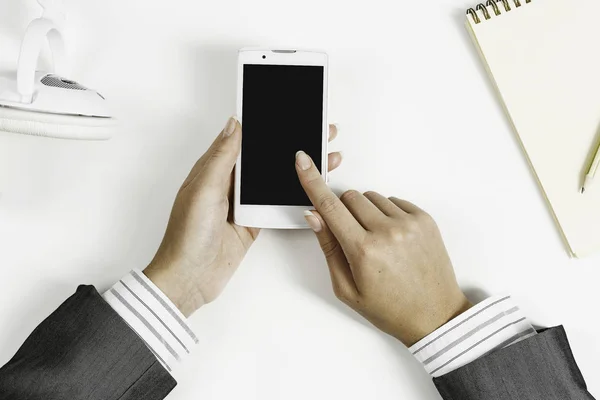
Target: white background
{"points": [[419, 120]]}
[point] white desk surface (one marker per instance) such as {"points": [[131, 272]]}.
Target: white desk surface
{"points": [[419, 120]]}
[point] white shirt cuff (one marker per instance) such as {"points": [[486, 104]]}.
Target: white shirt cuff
{"points": [[491, 325], [155, 319]]}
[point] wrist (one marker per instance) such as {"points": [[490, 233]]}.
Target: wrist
{"points": [[176, 285], [461, 306], [439, 317]]}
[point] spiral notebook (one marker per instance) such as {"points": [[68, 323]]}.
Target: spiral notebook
{"points": [[544, 58]]}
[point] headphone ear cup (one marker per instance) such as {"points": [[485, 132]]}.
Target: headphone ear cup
{"points": [[55, 125]]}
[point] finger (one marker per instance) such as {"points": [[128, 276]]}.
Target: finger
{"points": [[406, 206], [333, 132], [340, 220], [335, 160], [222, 156], [253, 232], [363, 210], [246, 235], [342, 279], [215, 149], [384, 204]]}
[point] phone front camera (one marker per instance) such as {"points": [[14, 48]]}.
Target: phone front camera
{"points": [[264, 57]]}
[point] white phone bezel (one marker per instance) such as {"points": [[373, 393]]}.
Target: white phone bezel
{"points": [[277, 217]]}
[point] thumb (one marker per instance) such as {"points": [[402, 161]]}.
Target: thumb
{"points": [[216, 165], [342, 279], [224, 151]]}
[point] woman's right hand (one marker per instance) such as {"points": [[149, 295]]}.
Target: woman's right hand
{"points": [[386, 257]]}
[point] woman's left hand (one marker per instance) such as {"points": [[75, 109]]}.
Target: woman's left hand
{"points": [[202, 247]]}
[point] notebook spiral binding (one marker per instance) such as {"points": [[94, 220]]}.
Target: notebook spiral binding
{"points": [[493, 5]]}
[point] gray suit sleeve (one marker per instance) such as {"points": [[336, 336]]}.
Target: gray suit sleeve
{"points": [[539, 368], [84, 350]]}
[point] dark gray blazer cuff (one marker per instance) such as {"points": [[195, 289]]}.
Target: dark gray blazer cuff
{"points": [[84, 350], [539, 368]]}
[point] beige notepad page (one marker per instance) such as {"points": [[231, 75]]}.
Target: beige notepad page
{"points": [[544, 58]]}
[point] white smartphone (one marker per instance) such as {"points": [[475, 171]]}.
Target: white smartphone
{"points": [[282, 106]]}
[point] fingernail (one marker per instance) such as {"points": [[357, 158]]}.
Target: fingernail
{"points": [[303, 160], [312, 221], [230, 128], [337, 127]]}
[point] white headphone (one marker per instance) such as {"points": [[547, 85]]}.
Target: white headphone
{"points": [[44, 103]]}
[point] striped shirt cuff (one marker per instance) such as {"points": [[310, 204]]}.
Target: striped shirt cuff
{"points": [[150, 313], [491, 325]]}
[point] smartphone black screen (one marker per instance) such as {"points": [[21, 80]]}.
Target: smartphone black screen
{"points": [[282, 113]]}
